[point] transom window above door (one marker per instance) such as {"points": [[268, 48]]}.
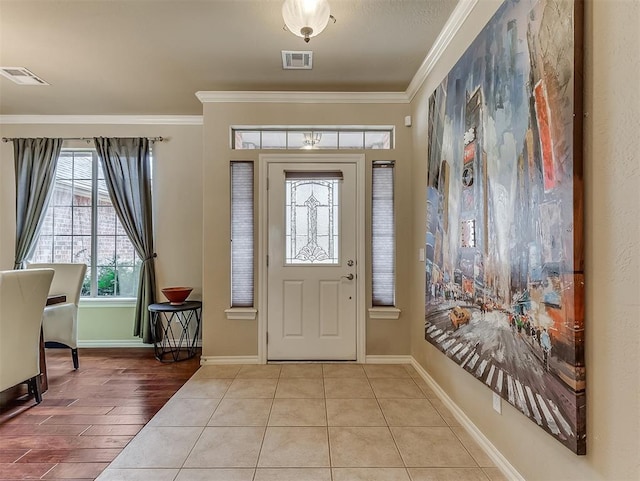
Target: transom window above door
{"points": [[309, 138]]}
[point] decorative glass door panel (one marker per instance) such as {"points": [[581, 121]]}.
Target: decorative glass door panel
{"points": [[312, 220]]}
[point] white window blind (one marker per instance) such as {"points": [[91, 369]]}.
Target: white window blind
{"points": [[383, 241], [241, 234]]}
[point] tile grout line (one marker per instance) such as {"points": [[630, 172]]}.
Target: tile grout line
{"points": [[203, 427], [465, 447], [389, 428], [264, 434], [326, 413], [485, 473]]}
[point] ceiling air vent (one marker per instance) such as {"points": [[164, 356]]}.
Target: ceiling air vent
{"points": [[297, 60], [21, 76]]}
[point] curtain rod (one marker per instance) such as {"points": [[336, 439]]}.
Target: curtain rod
{"points": [[88, 139]]}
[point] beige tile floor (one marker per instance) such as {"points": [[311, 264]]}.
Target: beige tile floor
{"points": [[303, 422]]}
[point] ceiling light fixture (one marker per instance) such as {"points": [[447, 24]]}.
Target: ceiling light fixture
{"points": [[306, 18]]}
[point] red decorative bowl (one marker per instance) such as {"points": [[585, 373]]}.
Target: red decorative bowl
{"points": [[177, 295]]}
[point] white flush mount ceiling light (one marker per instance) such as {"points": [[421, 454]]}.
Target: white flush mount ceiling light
{"points": [[306, 18]]}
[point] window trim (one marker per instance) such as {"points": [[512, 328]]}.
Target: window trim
{"points": [[241, 313], [390, 313], [102, 302]]}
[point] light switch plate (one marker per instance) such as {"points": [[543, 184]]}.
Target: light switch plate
{"points": [[497, 403], [421, 255]]}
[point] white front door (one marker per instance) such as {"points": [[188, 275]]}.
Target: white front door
{"points": [[312, 245]]}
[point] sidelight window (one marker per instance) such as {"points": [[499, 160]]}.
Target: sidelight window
{"points": [[383, 235], [241, 234]]}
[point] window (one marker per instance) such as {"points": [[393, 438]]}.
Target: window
{"points": [[81, 225], [312, 223], [344, 137], [241, 234], [383, 235]]}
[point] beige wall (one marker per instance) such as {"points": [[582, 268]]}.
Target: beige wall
{"points": [[612, 176], [192, 229], [106, 326], [177, 193], [222, 337]]}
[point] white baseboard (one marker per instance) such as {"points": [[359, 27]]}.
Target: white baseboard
{"points": [[113, 343], [496, 456], [255, 360], [107, 343], [388, 359], [208, 360]]}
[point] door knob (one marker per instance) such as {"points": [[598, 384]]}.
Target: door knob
{"points": [[349, 277]]}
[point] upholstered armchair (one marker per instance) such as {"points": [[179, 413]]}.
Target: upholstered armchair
{"points": [[60, 321], [23, 295]]}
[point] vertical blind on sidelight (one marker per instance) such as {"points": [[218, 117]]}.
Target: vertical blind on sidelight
{"points": [[241, 234], [383, 240]]}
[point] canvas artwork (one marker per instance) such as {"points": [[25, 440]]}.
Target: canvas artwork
{"points": [[504, 256]]}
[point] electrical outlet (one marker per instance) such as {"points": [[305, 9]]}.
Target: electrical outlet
{"points": [[497, 403]]}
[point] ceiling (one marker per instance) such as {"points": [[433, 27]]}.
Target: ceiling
{"points": [[149, 57]]}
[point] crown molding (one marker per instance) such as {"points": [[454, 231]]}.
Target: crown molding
{"points": [[103, 119], [450, 29], [303, 97]]}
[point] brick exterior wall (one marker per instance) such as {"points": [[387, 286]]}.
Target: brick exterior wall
{"points": [[56, 244]]}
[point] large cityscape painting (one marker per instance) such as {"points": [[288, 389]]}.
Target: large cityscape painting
{"points": [[504, 243]]}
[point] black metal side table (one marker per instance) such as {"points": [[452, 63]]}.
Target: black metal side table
{"points": [[170, 326]]}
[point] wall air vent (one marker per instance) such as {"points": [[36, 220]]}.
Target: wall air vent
{"points": [[297, 60], [21, 76]]}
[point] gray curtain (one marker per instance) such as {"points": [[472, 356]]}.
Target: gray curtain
{"points": [[127, 172], [35, 170]]}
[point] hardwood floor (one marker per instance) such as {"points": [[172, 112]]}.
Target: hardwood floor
{"points": [[87, 416]]}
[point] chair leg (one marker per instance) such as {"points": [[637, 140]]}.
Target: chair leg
{"points": [[34, 388], [74, 356]]}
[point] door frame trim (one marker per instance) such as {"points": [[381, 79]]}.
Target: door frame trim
{"points": [[263, 168]]}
